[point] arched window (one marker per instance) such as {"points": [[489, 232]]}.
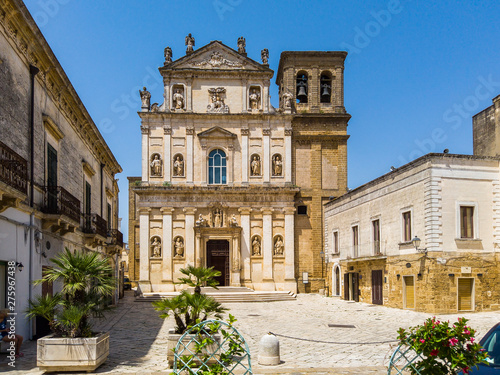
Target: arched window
{"points": [[326, 87], [302, 89], [217, 167]]}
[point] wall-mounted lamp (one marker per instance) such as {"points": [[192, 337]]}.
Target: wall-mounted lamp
{"points": [[398, 276], [416, 243], [451, 274], [479, 275], [419, 275], [20, 266], [408, 265]]}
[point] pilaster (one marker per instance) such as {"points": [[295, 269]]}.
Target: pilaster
{"points": [[145, 153], [144, 281], [189, 155], [189, 245], [290, 282], [244, 156], [167, 159], [167, 248], [267, 248], [288, 155], [266, 135], [245, 244]]}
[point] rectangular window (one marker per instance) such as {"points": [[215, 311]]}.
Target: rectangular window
{"points": [[109, 216], [376, 236], [355, 241], [336, 242], [301, 210], [407, 226], [466, 222]]}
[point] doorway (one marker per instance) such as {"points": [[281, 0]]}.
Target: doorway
{"points": [[218, 257], [377, 287], [351, 286]]}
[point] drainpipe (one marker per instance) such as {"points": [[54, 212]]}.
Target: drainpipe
{"points": [[102, 190], [33, 72]]}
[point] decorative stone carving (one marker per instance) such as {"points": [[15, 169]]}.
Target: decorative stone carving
{"points": [[179, 247], [168, 55], [256, 246], [264, 55], [167, 130], [155, 107], [287, 100], [201, 222], [156, 247], [145, 99], [233, 221], [217, 104], [277, 165], [278, 246], [254, 98], [255, 165], [144, 130], [245, 131], [178, 166], [217, 60], [217, 218], [266, 131], [189, 131], [241, 45], [156, 165], [288, 132], [178, 99], [190, 44]]}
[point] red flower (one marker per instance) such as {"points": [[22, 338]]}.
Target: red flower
{"points": [[465, 370], [422, 341], [434, 352], [453, 341]]}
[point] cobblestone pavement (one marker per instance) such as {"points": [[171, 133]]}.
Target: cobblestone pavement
{"points": [[307, 344]]}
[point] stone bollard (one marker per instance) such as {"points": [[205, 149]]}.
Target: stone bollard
{"points": [[269, 350]]}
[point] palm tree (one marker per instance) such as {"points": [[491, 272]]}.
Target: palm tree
{"points": [[198, 277], [87, 281]]}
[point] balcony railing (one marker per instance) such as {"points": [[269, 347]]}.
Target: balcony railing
{"points": [[58, 201], [13, 169], [117, 237], [94, 224]]}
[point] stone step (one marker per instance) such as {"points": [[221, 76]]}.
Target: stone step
{"points": [[228, 297]]}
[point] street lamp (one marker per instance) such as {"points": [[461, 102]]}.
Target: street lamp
{"points": [[416, 243]]}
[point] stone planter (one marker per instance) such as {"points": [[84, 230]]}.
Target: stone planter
{"points": [[72, 354], [173, 338]]}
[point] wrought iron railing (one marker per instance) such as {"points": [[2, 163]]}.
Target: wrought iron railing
{"points": [[13, 169], [94, 224], [117, 237], [59, 201]]}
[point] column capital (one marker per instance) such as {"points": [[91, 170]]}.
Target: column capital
{"points": [[189, 210], [189, 131], [167, 210], [288, 132], [289, 210], [267, 210], [245, 210], [167, 130], [144, 210], [144, 129], [245, 131], [266, 131]]}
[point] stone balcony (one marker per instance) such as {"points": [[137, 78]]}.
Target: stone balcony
{"points": [[61, 210], [95, 229], [13, 178], [114, 242]]}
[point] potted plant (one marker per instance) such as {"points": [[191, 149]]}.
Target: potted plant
{"points": [[189, 309], [87, 281]]}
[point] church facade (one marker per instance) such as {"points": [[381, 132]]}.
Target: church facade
{"points": [[231, 182]]}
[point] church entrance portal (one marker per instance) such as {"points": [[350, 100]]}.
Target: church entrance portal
{"points": [[218, 257]]}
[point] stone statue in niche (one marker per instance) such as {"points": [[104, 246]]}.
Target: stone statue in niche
{"points": [[145, 98], [256, 246], [217, 104], [287, 100], [217, 218], [156, 165], [264, 55], [168, 55], [278, 246], [233, 221], [241, 45], [156, 248], [255, 166], [179, 248], [254, 98], [201, 222], [178, 99], [277, 165], [189, 43], [178, 166]]}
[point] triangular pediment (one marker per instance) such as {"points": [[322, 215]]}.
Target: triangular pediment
{"points": [[216, 132], [216, 56]]}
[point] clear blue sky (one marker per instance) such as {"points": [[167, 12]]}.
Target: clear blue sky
{"points": [[416, 71]]}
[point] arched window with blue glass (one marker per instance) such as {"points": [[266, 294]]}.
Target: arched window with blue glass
{"points": [[217, 167]]}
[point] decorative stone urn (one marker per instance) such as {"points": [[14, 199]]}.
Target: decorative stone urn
{"points": [[72, 354]]}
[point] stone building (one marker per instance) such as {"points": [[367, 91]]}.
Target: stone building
{"points": [[57, 175], [486, 130], [230, 181]]}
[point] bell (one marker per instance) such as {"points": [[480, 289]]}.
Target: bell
{"points": [[302, 91], [326, 90]]}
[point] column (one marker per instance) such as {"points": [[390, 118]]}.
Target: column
{"points": [[230, 165], [290, 282], [167, 158], [199, 250], [145, 153], [288, 155], [245, 244], [244, 156], [144, 282], [267, 248], [189, 104], [166, 94], [189, 155], [236, 262], [167, 248], [189, 232], [266, 133], [244, 96], [265, 98]]}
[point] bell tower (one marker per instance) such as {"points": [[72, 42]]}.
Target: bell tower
{"points": [[312, 80]]}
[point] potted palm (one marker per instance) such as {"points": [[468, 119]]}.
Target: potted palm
{"points": [[87, 281], [189, 309]]}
